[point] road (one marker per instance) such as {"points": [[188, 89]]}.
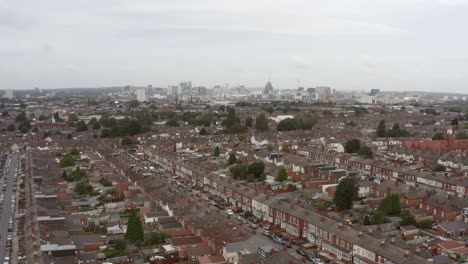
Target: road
{"points": [[6, 207]]}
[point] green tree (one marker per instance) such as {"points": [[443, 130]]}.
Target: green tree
{"points": [[248, 122], [56, 116], [382, 129], [83, 188], [172, 122], [407, 220], [134, 228], [455, 121], [261, 122], [257, 168], [81, 126], [21, 117], [390, 205], [216, 151], [424, 224], [42, 118], [366, 151], [73, 117], [5, 114], [67, 161], [239, 171], [75, 152], [270, 109], [232, 158], [203, 132], [346, 192], [367, 220], [134, 104], [379, 217], [282, 175], [11, 128], [438, 136], [439, 168], [353, 146]]}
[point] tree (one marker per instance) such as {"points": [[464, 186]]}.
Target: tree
{"points": [[454, 122], [439, 168], [366, 151], [56, 116], [81, 126], [128, 141], [269, 109], [346, 192], [96, 126], [248, 122], [69, 136], [367, 220], [407, 220], [21, 117], [42, 118], [203, 132], [232, 158], [83, 188], [11, 128], [73, 117], [438, 136], [382, 129], [216, 151], [134, 228], [379, 217], [269, 147], [353, 146], [35, 129], [134, 104], [67, 161], [172, 122], [261, 122], [282, 175], [239, 171], [75, 152], [390, 205], [257, 169], [5, 114]]}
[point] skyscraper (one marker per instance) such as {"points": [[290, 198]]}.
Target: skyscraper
{"points": [[141, 94], [268, 88], [9, 94], [323, 93]]}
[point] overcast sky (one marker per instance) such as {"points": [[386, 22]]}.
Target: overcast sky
{"points": [[348, 45]]}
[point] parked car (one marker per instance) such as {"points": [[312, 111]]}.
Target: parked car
{"points": [[287, 243], [253, 226], [229, 212], [266, 232]]}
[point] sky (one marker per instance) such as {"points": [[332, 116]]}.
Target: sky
{"points": [[395, 45]]}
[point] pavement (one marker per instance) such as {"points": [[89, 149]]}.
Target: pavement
{"points": [[6, 207]]}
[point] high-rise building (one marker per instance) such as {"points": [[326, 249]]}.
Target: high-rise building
{"points": [[323, 93], [374, 92], [141, 94], [9, 94]]}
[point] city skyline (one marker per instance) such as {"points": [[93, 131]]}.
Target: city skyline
{"points": [[392, 45]]}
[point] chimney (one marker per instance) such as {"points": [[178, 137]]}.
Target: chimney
{"points": [[360, 234]]}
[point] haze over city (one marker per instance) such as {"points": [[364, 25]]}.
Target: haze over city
{"points": [[398, 45]]}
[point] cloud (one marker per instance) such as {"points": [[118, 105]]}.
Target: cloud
{"points": [[299, 62], [14, 20]]}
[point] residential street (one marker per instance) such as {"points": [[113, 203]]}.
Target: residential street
{"points": [[9, 174]]}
